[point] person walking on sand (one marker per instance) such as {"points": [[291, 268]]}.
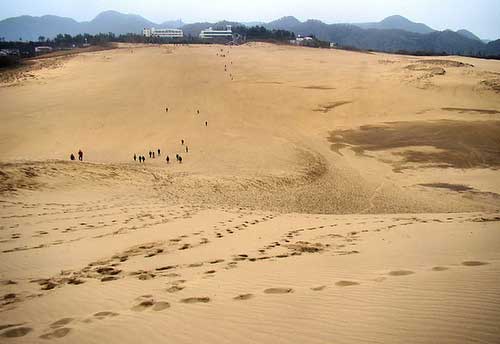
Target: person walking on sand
{"points": [[198, 111], [182, 142], [168, 159], [135, 157], [80, 155], [180, 159], [206, 123], [166, 109], [159, 152], [187, 149], [177, 157], [153, 155], [150, 154], [72, 157]]}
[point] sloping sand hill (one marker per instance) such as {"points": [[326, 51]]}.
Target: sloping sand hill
{"points": [[323, 196]]}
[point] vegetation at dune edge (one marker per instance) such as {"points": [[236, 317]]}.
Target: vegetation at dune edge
{"points": [[67, 41]]}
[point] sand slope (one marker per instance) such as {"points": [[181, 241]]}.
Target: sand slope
{"points": [[333, 197]]}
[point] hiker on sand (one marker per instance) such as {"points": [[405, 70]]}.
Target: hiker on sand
{"points": [[80, 155], [198, 111], [153, 155], [206, 123], [166, 109], [135, 157], [72, 157], [177, 157], [180, 159], [158, 151], [187, 149], [168, 159], [150, 154], [182, 142]]}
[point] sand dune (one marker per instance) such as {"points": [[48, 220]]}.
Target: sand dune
{"points": [[326, 196]]}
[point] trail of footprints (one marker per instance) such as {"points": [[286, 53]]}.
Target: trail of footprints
{"points": [[64, 326], [108, 270], [141, 218]]}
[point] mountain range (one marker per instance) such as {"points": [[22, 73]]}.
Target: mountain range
{"points": [[30, 28], [394, 33]]}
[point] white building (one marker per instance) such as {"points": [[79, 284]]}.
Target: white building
{"points": [[43, 50], [301, 40], [163, 33], [211, 33]]}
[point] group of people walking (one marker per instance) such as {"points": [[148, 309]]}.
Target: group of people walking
{"points": [[154, 154], [80, 156]]}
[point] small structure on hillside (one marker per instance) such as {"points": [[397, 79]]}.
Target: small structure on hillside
{"points": [[300, 40], [163, 33], [43, 50], [217, 33]]}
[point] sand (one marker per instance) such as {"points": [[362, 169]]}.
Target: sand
{"points": [[327, 196]]}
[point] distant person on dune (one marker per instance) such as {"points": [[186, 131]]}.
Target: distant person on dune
{"points": [[158, 151], [180, 159], [150, 154], [135, 157], [182, 142], [153, 155], [187, 149], [72, 157], [168, 159], [80, 155], [206, 123], [166, 109], [177, 157]]}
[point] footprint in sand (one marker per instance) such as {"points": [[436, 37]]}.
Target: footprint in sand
{"points": [[16, 332], [175, 289], [105, 314], [346, 283], [196, 300], [320, 288], [58, 333], [143, 305], [473, 263], [165, 268], [440, 268], [401, 273], [243, 297], [61, 323], [3, 327], [278, 291], [160, 306], [150, 303]]}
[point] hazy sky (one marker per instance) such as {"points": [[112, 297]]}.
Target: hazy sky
{"points": [[479, 16]]}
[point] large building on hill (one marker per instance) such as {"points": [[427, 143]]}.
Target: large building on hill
{"points": [[163, 33], [215, 33]]}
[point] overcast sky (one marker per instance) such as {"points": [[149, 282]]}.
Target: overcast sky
{"points": [[479, 16]]}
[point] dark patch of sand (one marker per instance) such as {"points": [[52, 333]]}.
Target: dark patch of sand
{"points": [[461, 144]]}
